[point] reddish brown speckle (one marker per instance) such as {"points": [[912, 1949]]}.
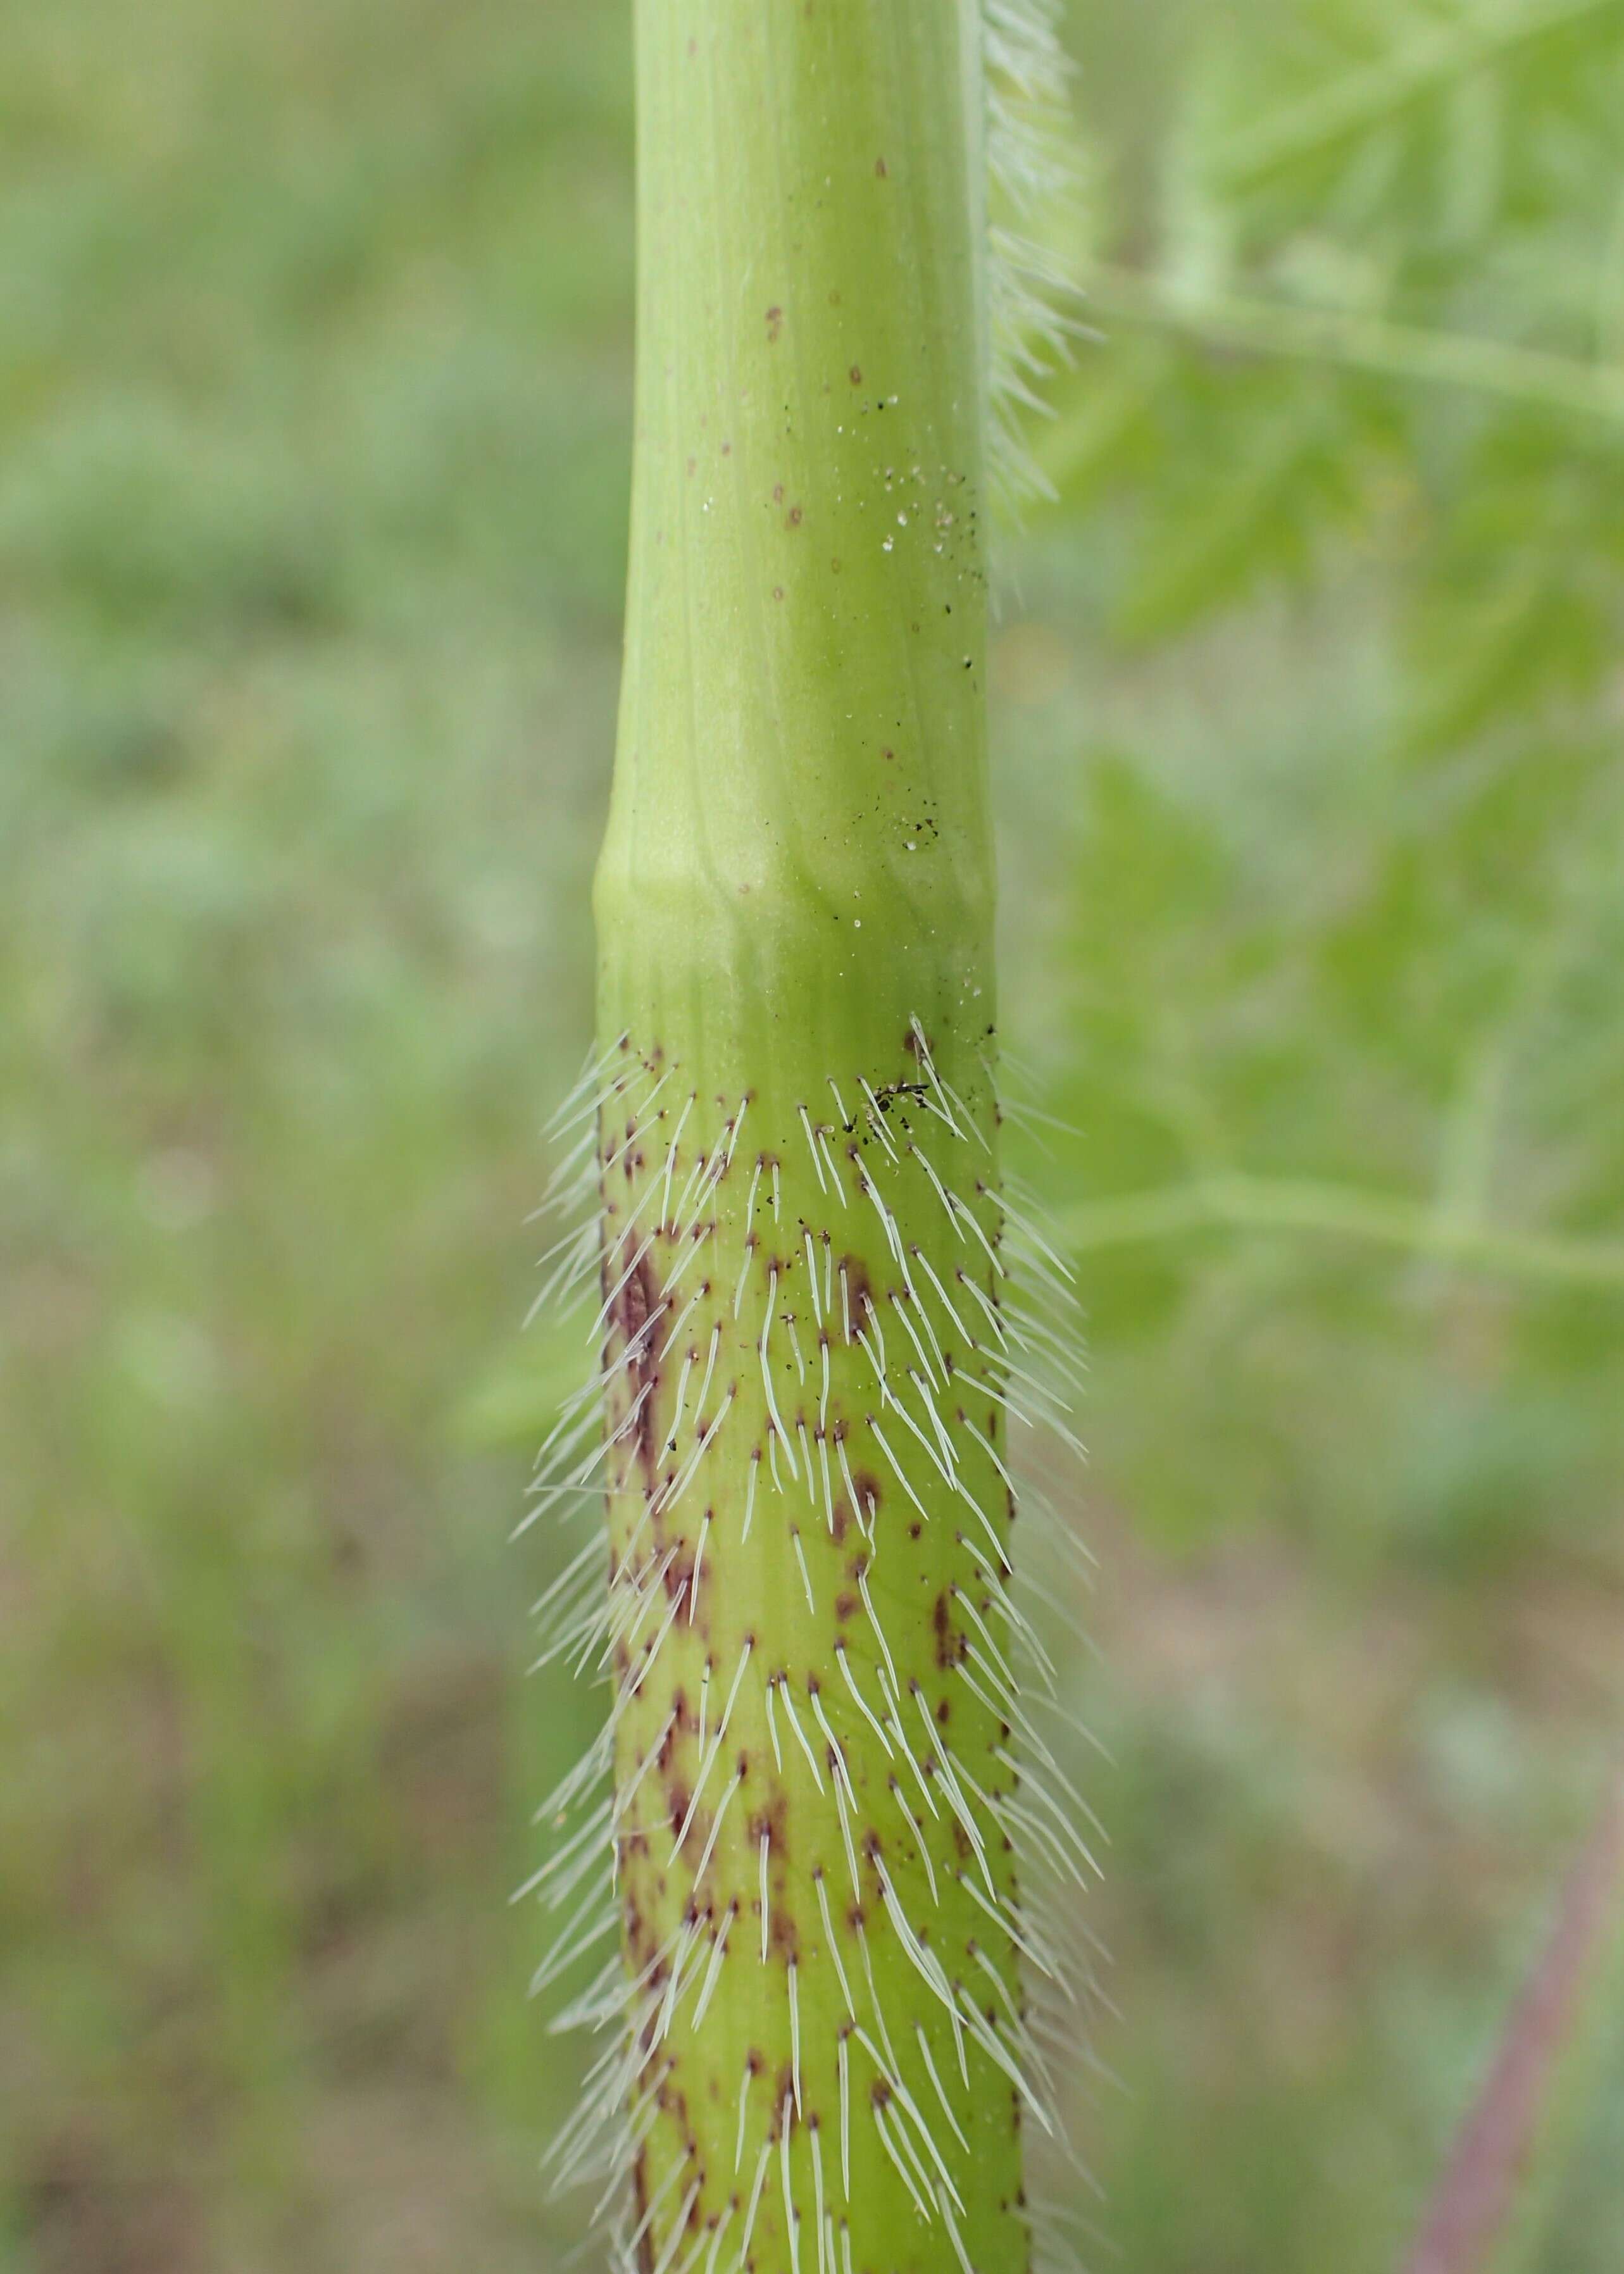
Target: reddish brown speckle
{"points": [[946, 1640]]}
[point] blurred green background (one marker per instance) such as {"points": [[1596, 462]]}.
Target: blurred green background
{"points": [[315, 409]]}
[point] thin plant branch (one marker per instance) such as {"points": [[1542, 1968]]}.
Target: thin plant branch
{"points": [[1368, 98], [1409, 354], [1238, 1202], [1488, 2214]]}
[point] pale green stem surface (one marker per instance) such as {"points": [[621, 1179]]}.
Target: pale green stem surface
{"points": [[799, 837]]}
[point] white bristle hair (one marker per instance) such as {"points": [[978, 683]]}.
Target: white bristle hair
{"points": [[1032, 182]]}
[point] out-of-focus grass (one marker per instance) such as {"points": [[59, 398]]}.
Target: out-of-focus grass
{"points": [[314, 406], [314, 403]]}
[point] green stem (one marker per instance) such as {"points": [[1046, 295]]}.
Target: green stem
{"points": [[1408, 354], [1363, 100], [821, 2060], [1271, 1204], [1492, 2208], [800, 814]]}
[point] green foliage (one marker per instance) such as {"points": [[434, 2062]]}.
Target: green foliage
{"points": [[312, 494], [1342, 898], [1325, 632]]}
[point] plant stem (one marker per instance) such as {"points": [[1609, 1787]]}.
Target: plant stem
{"points": [[799, 827], [1493, 2205], [1235, 1202], [1364, 100], [1407, 354], [822, 2060]]}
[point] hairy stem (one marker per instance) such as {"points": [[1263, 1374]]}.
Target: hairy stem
{"points": [[819, 2051]]}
